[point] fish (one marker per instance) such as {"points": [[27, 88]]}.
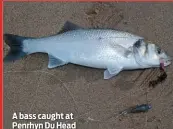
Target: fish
{"points": [[141, 108], [137, 109], [109, 49]]}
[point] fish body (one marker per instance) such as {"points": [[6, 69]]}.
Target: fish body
{"points": [[141, 108], [92, 48], [137, 109], [98, 48]]}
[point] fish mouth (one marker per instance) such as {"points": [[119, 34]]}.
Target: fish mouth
{"points": [[167, 61]]}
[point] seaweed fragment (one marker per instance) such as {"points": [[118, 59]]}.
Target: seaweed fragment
{"points": [[159, 79]]}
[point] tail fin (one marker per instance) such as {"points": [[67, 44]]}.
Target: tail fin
{"points": [[16, 47]]}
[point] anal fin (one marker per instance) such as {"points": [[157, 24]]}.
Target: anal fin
{"points": [[112, 71], [55, 62]]}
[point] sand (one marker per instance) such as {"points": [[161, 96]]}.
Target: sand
{"points": [[29, 87]]}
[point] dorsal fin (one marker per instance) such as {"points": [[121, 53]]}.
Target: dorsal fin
{"points": [[68, 26]]}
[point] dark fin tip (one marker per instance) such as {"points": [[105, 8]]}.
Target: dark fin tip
{"points": [[16, 47]]}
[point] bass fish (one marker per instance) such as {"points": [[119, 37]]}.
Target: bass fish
{"points": [[107, 49]]}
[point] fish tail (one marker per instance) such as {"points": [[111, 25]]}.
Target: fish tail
{"points": [[16, 47]]}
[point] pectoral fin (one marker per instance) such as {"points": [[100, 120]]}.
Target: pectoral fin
{"points": [[55, 62], [111, 71], [121, 50]]}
